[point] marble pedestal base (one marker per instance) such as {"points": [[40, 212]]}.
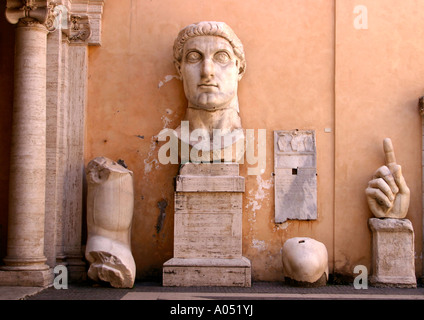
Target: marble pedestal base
{"points": [[179, 272], [392, 253], [30, 278], [208, 228]]}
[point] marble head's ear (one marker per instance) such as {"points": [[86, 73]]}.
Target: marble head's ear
{"points": [[241, 68], [178, 67]]}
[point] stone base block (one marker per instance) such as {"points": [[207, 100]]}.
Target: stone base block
{"points": [[395, 282], [36, 278], [178, 272], [77, 270], [393, 253]]}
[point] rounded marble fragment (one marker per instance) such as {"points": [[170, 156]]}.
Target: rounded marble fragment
{"points": [[305, 262]]}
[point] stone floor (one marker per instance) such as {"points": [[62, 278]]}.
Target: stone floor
{"points": [[261, 301], [258, 291]]}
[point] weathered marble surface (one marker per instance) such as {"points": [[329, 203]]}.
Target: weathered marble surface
{"points": [[110, 204]]}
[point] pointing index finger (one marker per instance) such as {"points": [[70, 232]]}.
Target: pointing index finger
{"points": [[389, 152]]}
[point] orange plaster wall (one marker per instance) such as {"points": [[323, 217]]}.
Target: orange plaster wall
{"points": [[307, 68], [379, 78]]}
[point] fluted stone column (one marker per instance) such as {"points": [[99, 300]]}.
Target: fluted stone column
{"points": [[25, 263], [46, 175]]}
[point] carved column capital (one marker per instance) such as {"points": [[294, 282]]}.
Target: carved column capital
{"points": [[31, 13]]}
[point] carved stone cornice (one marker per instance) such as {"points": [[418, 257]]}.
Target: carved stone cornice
{"points": [[83, 21], [31, 13], [93, 9]]}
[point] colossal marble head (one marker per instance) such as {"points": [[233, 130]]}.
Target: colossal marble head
{"points": [[210, 60]]}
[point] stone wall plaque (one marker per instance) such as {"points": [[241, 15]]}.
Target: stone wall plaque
{"points": [[295, 175]]}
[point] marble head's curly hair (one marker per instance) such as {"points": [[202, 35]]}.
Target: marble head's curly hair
{"points": [[210, 28]]}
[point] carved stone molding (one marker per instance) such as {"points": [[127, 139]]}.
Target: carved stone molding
{"points": [[79, 30], [85, 23], [50, 23]]}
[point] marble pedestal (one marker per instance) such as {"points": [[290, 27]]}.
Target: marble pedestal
{"points": [[208, 228], [392, 253]]}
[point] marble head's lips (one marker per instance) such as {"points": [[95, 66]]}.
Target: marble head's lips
{"points": [[208, 85]]}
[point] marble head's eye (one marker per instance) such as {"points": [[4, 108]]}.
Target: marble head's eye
{"points": [[193, 56], [222, 57]]}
